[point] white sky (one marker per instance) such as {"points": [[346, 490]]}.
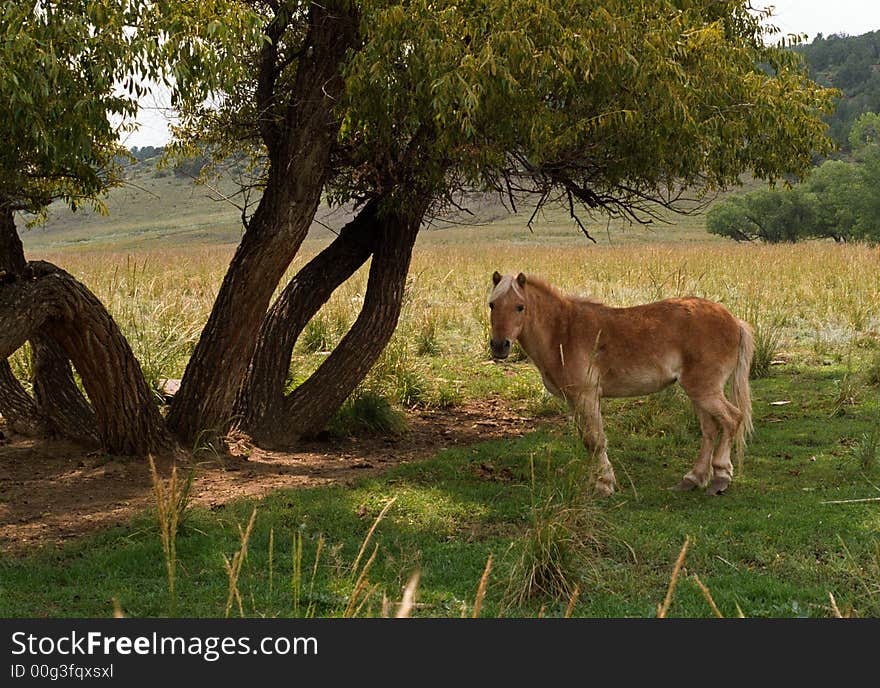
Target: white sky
{"points": [[852, 17]]}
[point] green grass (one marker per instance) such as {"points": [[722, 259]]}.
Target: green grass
{"points": [[772, 546]]}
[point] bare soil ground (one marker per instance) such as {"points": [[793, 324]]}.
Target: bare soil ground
{"points": [[53, 491]]}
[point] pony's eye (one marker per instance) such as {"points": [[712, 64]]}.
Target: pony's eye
{"points": [[491, 306], [520, 308]]}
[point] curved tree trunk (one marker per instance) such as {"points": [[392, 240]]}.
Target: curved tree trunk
{"points": [[46, 299], [307, 410], [16, 405], [58, 407], [57, 397], [297, 171], [302, 298]]}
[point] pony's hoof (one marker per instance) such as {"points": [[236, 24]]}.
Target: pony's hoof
{"points": [[686, 485], [718, 486], [604, 489]]}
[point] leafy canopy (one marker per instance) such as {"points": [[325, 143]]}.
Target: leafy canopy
{"points": [[613, 104], [71, 75], [838, 200], [62, 65]]}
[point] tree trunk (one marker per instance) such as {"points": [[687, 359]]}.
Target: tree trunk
{"points": [[45, 299], [307, 410], [58, 399], [297, 170], [12, 260], [16, 405], [302, 298], [58, 408]]}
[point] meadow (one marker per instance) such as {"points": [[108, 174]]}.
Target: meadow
{"points": [[801, 520]]}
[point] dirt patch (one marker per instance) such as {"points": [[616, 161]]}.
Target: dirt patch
{"points": [[51, 492]]}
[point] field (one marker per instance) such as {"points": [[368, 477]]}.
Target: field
{"points": [[801, 520]]}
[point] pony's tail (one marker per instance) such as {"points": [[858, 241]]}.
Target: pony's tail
{"points": [[740, 391]]}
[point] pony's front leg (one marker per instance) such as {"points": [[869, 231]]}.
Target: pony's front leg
{"points": [[588, 417]]}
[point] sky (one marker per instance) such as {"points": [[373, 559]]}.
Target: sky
{"points": [[852, 17]]}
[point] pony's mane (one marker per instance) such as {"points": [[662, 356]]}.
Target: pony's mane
{"points": [[549, 289], [506, 283]]}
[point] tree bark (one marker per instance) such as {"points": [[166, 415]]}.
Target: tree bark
{"points": [[307, 410], [46, 299], [12, 260], [298, 165], [58, 399], [58, 407], [302, 298], [16, 405]]}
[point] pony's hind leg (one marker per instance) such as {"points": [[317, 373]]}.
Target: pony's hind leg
{"points": [[589, 422], [701, 473], [728, 417]]}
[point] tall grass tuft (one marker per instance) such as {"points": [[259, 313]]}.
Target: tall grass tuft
{"points": [[847, 391], [867, 448], [233, 568], [172, 506], [767, 329], [22, 365], [367, 411], [362, 588], [865, 573], [563, 539], [426, 336], [872, 370], [318, 335]]}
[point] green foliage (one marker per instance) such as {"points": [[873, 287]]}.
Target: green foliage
{"points": [[848, 63], [59, 82], [771, 215], [837, 187], [838, 200], [367, 411], [440, 96], [865, 132]]}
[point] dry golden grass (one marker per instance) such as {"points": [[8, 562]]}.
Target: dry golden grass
{"points": [[816, 297]]}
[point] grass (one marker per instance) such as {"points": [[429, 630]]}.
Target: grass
{"points": [[773, 546], [485, 528]]}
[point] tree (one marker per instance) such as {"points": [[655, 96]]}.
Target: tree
{"points": [[837, 187], [838, 200], [868, 203], [524, 99], [59, 77], [865, 133], [396, 108], [773, 216]]}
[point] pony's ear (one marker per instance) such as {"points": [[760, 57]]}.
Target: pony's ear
{"points": [[496, 278], [521, 279]]}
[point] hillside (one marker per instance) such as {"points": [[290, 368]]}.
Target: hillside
{"points": [[158, 209], [851, 64]]}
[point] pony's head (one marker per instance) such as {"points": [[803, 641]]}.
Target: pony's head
{"points": [[507, 304]]}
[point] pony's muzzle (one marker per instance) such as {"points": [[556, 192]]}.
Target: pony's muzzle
{"points": [[500, 348]]}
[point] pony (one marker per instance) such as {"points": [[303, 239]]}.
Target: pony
{"points": [[586, 350]]}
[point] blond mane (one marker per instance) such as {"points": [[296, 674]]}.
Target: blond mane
{"points": [[506, 283], [550, 290]]}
